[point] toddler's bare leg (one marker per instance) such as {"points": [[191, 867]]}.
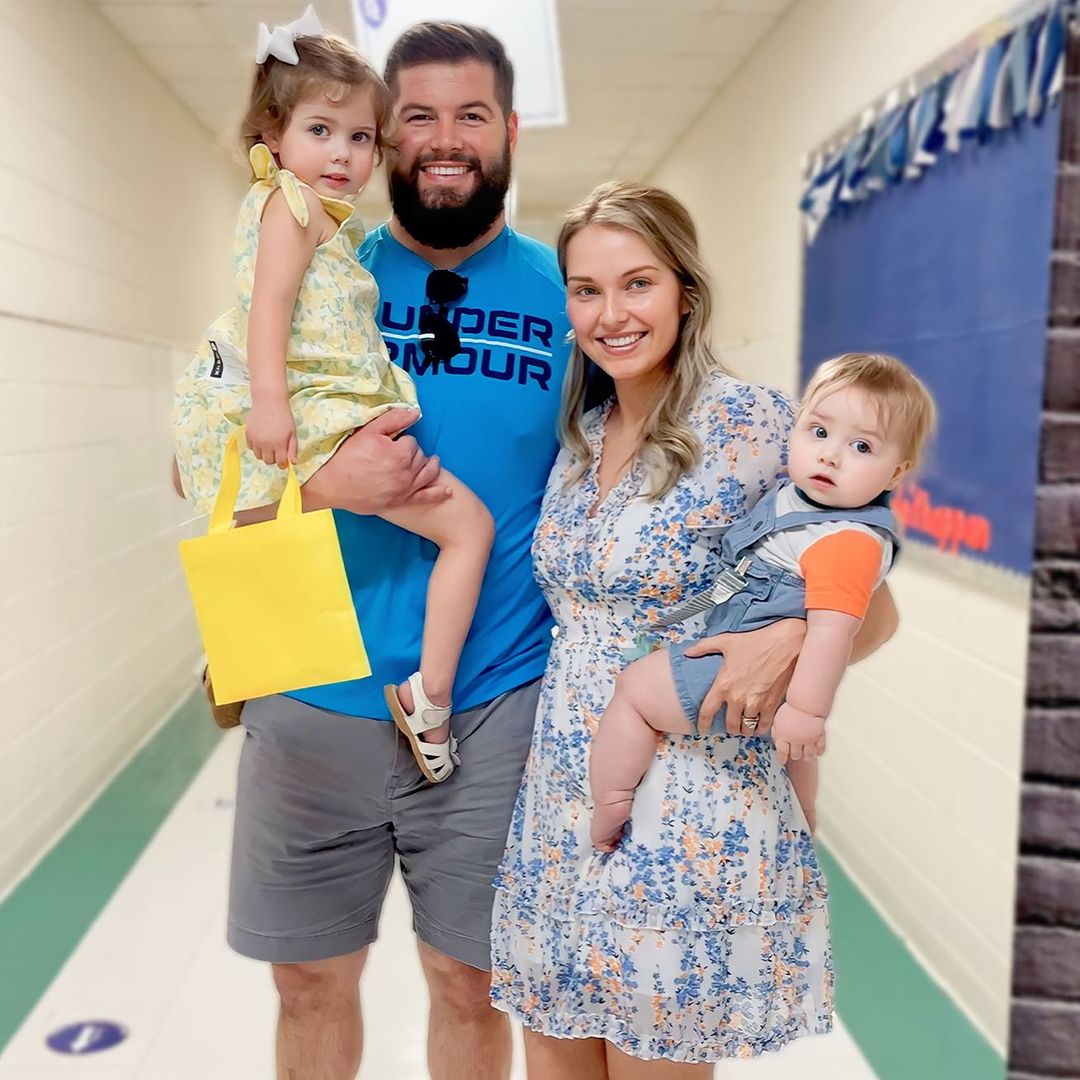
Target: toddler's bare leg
{"points": [[645, 702], [463, 530], [804, 779]]}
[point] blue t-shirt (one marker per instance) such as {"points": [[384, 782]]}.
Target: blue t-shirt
{"points": [[490, 413]]}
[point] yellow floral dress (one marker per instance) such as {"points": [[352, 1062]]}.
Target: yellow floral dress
{"points": [[339, 373]]}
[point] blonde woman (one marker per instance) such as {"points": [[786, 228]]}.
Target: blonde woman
{"points": [[704, 935]]}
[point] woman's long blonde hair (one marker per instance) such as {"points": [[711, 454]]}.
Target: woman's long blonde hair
{"points": [[668, 445]]}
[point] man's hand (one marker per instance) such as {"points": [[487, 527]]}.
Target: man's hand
{"points": [[798, 735], [753, 681], [375, 470]]}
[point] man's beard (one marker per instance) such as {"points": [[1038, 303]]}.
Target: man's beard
{"points": [[450, 222]]}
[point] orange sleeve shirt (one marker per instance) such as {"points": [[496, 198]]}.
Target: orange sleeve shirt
{"points": [[841, 570]]}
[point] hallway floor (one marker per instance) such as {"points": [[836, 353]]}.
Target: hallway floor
{"points": [[155, 962]]}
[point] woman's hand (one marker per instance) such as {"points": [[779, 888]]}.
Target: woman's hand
{"points": [[752, 683], [270, 432]]}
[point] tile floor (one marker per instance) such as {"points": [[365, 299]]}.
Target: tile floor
{"points": [[156, 962]]}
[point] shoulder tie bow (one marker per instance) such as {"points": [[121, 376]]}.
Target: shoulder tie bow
{"points": [[265, 167]]}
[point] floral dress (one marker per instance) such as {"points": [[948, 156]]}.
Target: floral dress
{"points": [[704, 935], [338, 372]]}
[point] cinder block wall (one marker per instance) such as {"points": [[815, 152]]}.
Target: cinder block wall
{"points": [[1045, 1028], [117, 213]]}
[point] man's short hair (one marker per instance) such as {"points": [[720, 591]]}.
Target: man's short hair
{"points": [[452, 43]]}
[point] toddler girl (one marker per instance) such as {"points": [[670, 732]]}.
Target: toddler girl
{"points": [[815, 547], [299, 361]]}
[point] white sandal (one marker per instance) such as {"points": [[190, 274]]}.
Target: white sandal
{"points": [[437, 761]]}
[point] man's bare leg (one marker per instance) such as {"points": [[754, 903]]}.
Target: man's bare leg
{"points": [[320, 1034], [467, 1038]]}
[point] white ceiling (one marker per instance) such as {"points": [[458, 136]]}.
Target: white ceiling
{"points": [[637, 73]]}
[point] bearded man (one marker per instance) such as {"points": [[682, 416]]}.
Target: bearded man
{"points": [[329, 797]]}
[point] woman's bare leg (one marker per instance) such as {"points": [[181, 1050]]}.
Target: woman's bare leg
{"points": [[645, 703], [548, 1058], [804, 779], [623, 1067]]}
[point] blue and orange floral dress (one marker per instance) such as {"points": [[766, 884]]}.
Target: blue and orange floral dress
{"points": [[705, 934]]}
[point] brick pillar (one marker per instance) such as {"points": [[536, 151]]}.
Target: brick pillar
{"points": [[1044, 1038]]}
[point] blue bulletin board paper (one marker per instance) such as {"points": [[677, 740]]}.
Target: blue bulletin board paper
{"points": [[951, 273]]}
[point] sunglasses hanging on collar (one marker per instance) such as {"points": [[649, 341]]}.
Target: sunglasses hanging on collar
{"points": [[438, 337]]}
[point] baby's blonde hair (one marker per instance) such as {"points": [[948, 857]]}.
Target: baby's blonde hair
{"points": [[906, 408]]}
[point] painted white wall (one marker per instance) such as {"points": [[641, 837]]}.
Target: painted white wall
{"points": [[116, 220], [920, 784]]}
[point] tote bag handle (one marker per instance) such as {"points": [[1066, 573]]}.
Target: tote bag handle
{"points": [[221, 517]]}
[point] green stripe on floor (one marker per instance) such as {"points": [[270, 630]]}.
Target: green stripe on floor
{"points": [[47, 914], [905, 1024]]}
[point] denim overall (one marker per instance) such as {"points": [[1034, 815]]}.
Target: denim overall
{"points": [[770, 593]]}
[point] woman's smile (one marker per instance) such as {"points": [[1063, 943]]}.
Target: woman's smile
{"points": [[625, 303], [623, 344]]}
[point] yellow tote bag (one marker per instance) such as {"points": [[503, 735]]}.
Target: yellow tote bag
{"points": [[272, 600]]}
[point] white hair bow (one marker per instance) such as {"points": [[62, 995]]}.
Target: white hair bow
{"points": [[280, 42]]}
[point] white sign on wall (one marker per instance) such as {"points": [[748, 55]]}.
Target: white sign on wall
{"points": [[527, 28]]}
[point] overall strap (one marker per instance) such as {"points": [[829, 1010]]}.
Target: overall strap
{"points": [[743, 533], [876, 515]]}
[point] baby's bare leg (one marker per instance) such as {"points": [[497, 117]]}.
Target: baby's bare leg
{"points": [[804, 779], [645, 702], [463, 530]]}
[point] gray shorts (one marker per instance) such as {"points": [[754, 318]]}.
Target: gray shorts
{"points": [[325, 803]]}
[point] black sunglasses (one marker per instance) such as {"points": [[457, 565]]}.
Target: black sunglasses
{"points": [[438, 337]]}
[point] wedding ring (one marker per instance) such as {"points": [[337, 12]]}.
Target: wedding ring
{"points": [[750, 722]]}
